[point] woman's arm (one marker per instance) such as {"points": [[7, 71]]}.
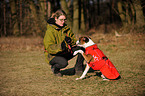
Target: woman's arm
{"points": [[50, 43]]}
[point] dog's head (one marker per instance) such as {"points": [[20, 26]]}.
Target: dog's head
{"points": [[85, 42]]}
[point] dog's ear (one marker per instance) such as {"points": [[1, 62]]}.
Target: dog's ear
{"points": [[86, 39]]}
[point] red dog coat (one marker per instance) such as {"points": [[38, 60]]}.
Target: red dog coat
{"points": [[101, 62]]}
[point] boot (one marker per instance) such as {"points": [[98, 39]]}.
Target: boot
{"points": [[56, 71]]}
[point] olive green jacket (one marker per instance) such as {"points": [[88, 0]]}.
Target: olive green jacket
{"points": [[53, 39]]}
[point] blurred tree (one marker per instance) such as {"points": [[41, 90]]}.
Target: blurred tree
{"points": [[16, 31], [42, 20], [26, 20], [110, 7], [4, 12], [121, 13], [28, 17], [64, 7], [140, 19], [82, 25], [34, 16], [48, 9], [40, 24], [21, 29], [127, 7], [98, 7], [42, 6], [75, 17], [133, 13], [86, 14]]}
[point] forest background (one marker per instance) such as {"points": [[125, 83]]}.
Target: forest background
{"points": [[29, 17]]}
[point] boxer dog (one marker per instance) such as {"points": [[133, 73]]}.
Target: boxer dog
{"points": [[96, 59]]}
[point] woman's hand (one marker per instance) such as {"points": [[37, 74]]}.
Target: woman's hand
{"points": [[63, 46], [68, 40]]}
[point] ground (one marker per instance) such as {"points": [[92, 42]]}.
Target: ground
{"points": [[24, 71]]}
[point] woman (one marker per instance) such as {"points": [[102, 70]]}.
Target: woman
{"points": [[59, 44]]}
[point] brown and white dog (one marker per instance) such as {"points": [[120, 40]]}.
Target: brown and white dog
{"points": [[96, 59]]}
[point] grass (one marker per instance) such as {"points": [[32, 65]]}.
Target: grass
{"points": [[24, 71]]}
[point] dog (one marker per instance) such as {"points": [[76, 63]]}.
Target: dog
{"points": [[96, 59]]}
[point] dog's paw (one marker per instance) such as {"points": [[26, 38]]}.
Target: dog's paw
{"points": [[75, 53], [78, 51], [77, 42], [78, 78]]}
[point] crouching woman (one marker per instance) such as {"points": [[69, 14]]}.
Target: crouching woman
{"points": [[59, 43]]}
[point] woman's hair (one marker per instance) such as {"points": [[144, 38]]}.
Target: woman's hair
{"points": [[58, 13]]}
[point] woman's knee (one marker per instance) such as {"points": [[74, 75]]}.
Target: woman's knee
{"points": [[59, 62]]}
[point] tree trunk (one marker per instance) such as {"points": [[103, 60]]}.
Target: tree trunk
{"points": [[45, 4], [69, 3], [16, 31], [21, 31], [42, 22], [4, 6], [49, 9], [27, 19], [82, 28], [86, 12], [110, 7], [133, 13], [128, 18], [42, 6], [34, 16], [121, 13], [140, 20], [65, 8], [98, 7], [75, 17]]}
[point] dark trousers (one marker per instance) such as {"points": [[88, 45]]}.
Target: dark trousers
{"points": [[59, 62]]}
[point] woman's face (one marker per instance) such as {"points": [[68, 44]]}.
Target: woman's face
{"points": [[60, 20]]}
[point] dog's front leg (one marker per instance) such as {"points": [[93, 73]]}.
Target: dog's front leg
{"points": [[85, 72]]}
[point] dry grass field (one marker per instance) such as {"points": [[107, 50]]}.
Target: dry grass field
{"points": [[24, 72]]}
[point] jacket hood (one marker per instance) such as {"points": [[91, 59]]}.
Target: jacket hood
{"points": [[52, 21]]}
